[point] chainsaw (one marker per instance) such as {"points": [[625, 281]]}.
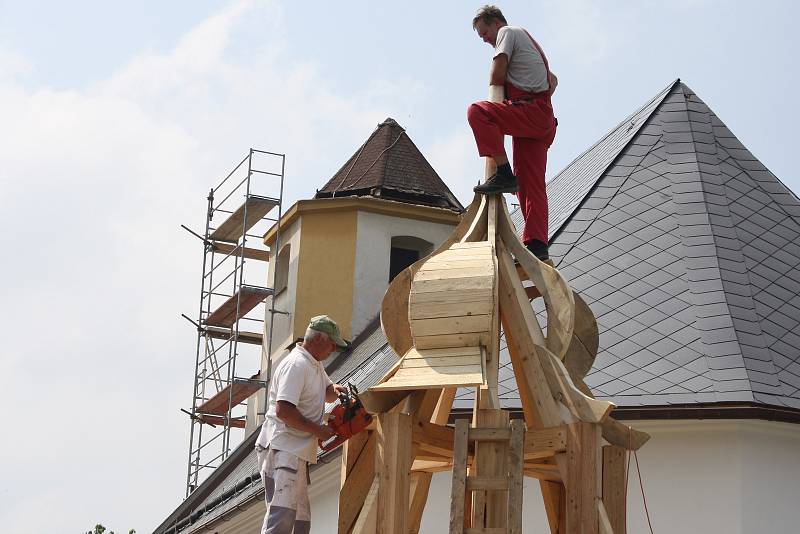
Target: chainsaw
{"points": [[347, 419]]}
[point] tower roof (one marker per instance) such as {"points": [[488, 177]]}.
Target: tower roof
{"points": [[389, 165], [687, 249]]}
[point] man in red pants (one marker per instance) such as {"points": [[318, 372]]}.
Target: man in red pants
{"points": [[526, 115]]}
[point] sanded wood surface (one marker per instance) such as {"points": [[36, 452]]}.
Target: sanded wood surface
{"points": [[459, 485], [393, 465], [236, 225], [515, 473], [583, 482], [395, 304], [614, 487]]}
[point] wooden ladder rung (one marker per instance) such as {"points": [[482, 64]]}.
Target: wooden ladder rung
{"points": [[489, 434], [487, 483], [497, 530]]}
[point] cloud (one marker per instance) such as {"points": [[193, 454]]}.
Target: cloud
{"points": [[95, 183]]}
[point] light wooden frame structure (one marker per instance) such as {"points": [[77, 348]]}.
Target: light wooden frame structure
{"points": [[443, 314]]}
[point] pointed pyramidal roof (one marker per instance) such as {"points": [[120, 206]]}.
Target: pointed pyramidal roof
{"points": [[389, 165], [687, 249]]}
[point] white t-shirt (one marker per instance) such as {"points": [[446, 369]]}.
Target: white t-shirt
{"points": [[301, 380], [526, 67]]}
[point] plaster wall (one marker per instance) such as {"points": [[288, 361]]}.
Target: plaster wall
{"points": [[732, 477], [373, 246]]}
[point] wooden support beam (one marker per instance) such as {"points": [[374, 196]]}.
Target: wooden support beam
{"points": [[459, 486], [392, 466], [351, 450], [367, 522], [357, 485], [554, 496], [583, 481], [614, 487], [516, 460]]}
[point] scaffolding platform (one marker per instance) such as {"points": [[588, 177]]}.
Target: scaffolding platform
{"points": [[235, 225], [251, 338], [248, 298], [215, 420], [249, 253], [242, 388]]}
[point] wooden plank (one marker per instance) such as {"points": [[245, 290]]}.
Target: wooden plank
{"points": [[438, 438], [473, 244], [458, 262], [392, 466], [219, 403], [473, 530], [614, 487], [583, 480], [554, 496], [624, 436], [604, 524], [367, 522], [451, 297], [472, 339], [357, 485], [458, 488], [427, 373], [444, 352], [442, 361], [248, 297], [451, 325], [351, 450], [453, 284], [486, 483], [236, 225], [460, 273], [215, 420], [236, 250], [477, 230], [382, 401], [425, 310], [251, 338], [516, 462], [546, 442]]}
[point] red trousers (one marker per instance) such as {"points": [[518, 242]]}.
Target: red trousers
{"points": [[532, 127]]}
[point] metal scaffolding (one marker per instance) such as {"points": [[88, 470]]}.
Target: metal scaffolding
{"points": [[232, 311]]}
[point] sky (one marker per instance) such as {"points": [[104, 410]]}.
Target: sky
{"points": [[117, 117]]}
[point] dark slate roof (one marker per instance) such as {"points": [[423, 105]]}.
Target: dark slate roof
{"points": [[686, 249], [389, 165]]}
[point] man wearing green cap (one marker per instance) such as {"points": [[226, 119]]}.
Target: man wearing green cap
{"points": [[288, 440]]}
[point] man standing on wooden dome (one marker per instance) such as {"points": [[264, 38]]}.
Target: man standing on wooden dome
{"points": [[526, 114]]}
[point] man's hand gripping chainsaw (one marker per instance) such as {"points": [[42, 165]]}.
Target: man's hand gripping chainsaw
{"points": [[347, 418]]}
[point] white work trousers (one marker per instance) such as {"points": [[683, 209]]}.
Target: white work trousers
{"points": [[285, 478]]}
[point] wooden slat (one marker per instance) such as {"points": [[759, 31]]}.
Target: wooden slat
{"points": [[367, 522], [251, 338], [453, 284], [458, 489], [427, 310], [473, 244], [461, 273], [498, 483], [444, 352], [515, 472], [452, 340], [225, 315], [220, 421], [451, 325], [473, 530], [583, 480], [614, 487], [249, 253], [446, 264], [545, 442], [218, 404], [234, 226], [357, 485], [442, 361], [451, 297]]}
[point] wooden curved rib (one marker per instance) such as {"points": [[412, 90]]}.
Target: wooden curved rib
{"points": [[394, 307], [557, 295]]}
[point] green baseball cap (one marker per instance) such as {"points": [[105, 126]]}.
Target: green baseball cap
{"points": [[326, 325]]}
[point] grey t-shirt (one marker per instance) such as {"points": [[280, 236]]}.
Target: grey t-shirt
{"points": [[526, 67]]}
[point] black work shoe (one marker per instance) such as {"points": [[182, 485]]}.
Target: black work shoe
{"points": [[538, 249], [498, 183]]}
